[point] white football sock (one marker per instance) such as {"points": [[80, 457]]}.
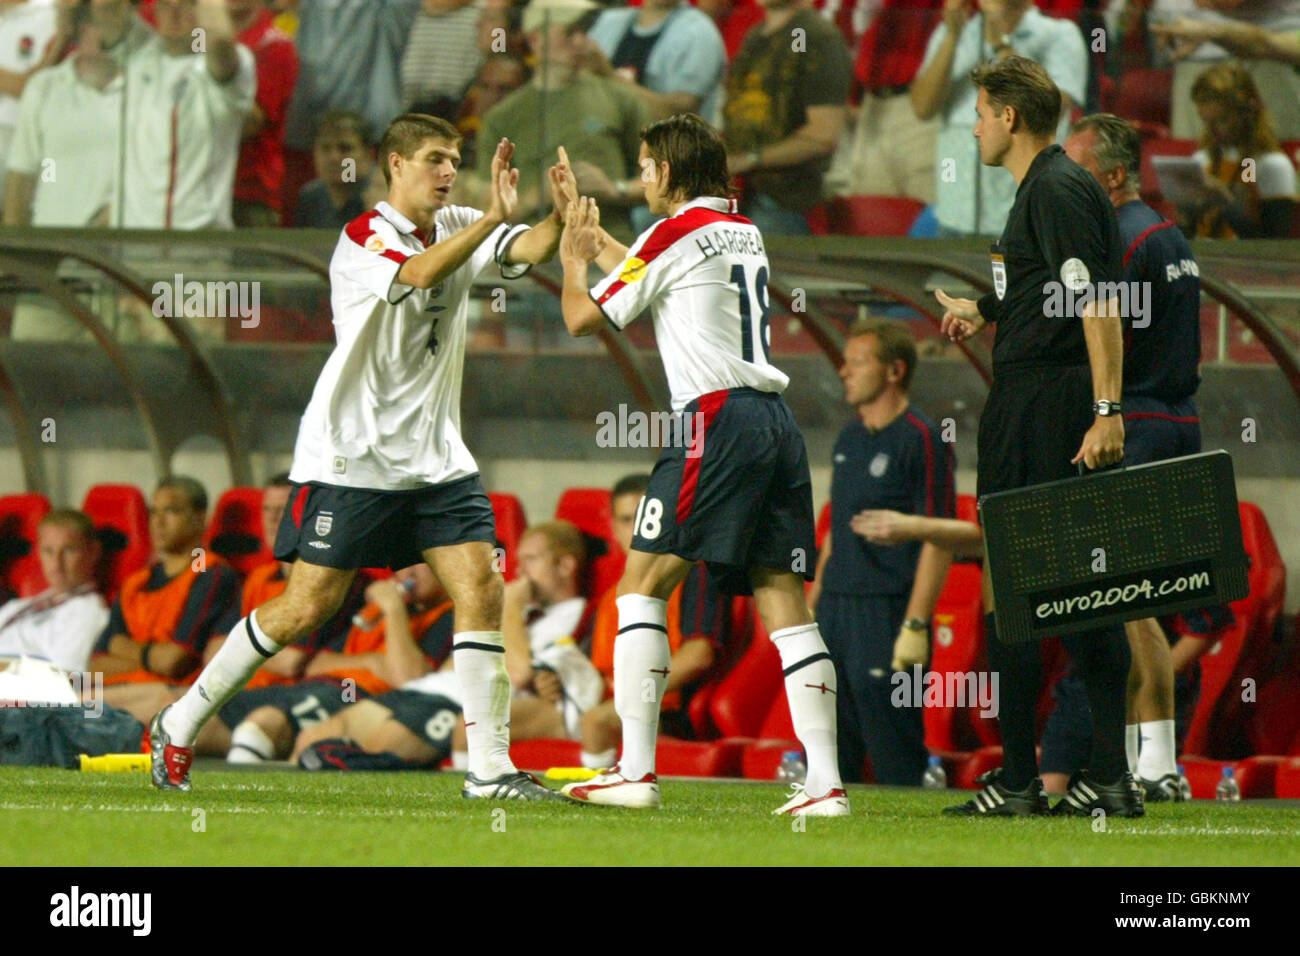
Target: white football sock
{"points": [[1157, 757], [1132, 746], [249, 743], [810, 687], [246, 648], [641, 660], [459, 760], [599, 760], [485, 701]]}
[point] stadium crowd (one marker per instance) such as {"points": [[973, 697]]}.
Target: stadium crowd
{"points": [[191, 114]]}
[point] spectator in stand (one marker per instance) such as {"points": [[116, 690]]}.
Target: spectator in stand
{"points": [[733, 18], [1227, 18], [597, 120], [403, 631], [668, 52], [64, 149], [349, 53], [892, 150], [185, 112], [785, 113], [61, 623], [1240, 39], [441, 57], [260, 172], [500, 75], [344, 158], [167, 612], [969, 199], [26, 29], [699, 638], [1250, 184]]}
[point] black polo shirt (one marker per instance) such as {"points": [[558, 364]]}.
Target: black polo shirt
{"points": [[1061, 237], [1161, 359], [904, 466]]}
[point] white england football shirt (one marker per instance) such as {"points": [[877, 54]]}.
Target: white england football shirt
{"points": [[703, 274], [385, 413], [60, 628]]}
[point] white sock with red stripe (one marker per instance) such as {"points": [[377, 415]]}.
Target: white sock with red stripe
{"points": [[810, 687], [640, 673], [245, 649], [480, 658]]}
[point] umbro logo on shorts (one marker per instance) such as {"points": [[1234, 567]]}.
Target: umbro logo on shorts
{"points": [[318, 544]]}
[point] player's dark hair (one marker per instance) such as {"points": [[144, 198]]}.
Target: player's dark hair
{"points": [[70, 518], [1025, 86], [280, 480], [1117, 144], [630, 485], [191, 488], [406, 134], [894, 344], [344, 121], [694, 152]]}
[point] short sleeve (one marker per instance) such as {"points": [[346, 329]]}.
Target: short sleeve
{"points": [[494, 248], [1066, 60], [831, 72], [211, 596], [651, 267], [237, 93], [372, 257], [1276, 177], [25, 150], [1065, 217], [932, 45], [699, 59]]}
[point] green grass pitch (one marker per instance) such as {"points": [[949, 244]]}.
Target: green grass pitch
{"points": [[264, 818]]}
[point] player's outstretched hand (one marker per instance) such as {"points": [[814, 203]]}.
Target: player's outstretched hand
{"points": [[564, 188], [881, 526], [1103, 444], [583, 239], [505, 183], [961, 317]]}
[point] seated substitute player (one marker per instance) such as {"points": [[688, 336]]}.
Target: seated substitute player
{"points": [[699, 639], [382, 477], [875, 604], [166, 613], [737, 494], [62, 623], [1057, 382], [400, 634]]}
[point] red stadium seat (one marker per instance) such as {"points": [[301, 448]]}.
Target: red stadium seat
{"points": [[511, 524], [1217, 727], [1204, 774], [1143, 97], [762, 757], [1257, 777], [696, 758], [19, 516], [743, 699], [589, 509], [872, 215], [968, 509], [699, 710], [121, 512], [1274, 720], [546, 753], [958, 647], [235, 530], [1287, 779]]}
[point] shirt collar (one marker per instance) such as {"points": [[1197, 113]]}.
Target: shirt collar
{"points": [[716, 203], [400, 222]]}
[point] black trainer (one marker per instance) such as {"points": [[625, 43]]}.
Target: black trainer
{"points": [[995, 800], [1168, 789], [1123, 798], [509, 786]]}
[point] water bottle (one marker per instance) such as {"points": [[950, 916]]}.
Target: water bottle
{"points": [[368, 617], [934, 778], [1184, 785], [1227, 789], [792, 768]]}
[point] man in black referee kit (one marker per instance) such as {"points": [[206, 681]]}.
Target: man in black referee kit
{"points": [[1055, 402]]}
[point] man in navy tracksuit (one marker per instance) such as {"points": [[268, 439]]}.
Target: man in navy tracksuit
{"points": [[1162, 351], [874, 602]]}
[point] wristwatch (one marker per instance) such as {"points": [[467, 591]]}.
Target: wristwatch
{"points": [[916, 624], [1105, 407]]}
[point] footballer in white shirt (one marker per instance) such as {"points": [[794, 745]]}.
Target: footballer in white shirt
{"points": [[382, 477], [735, 492]]}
